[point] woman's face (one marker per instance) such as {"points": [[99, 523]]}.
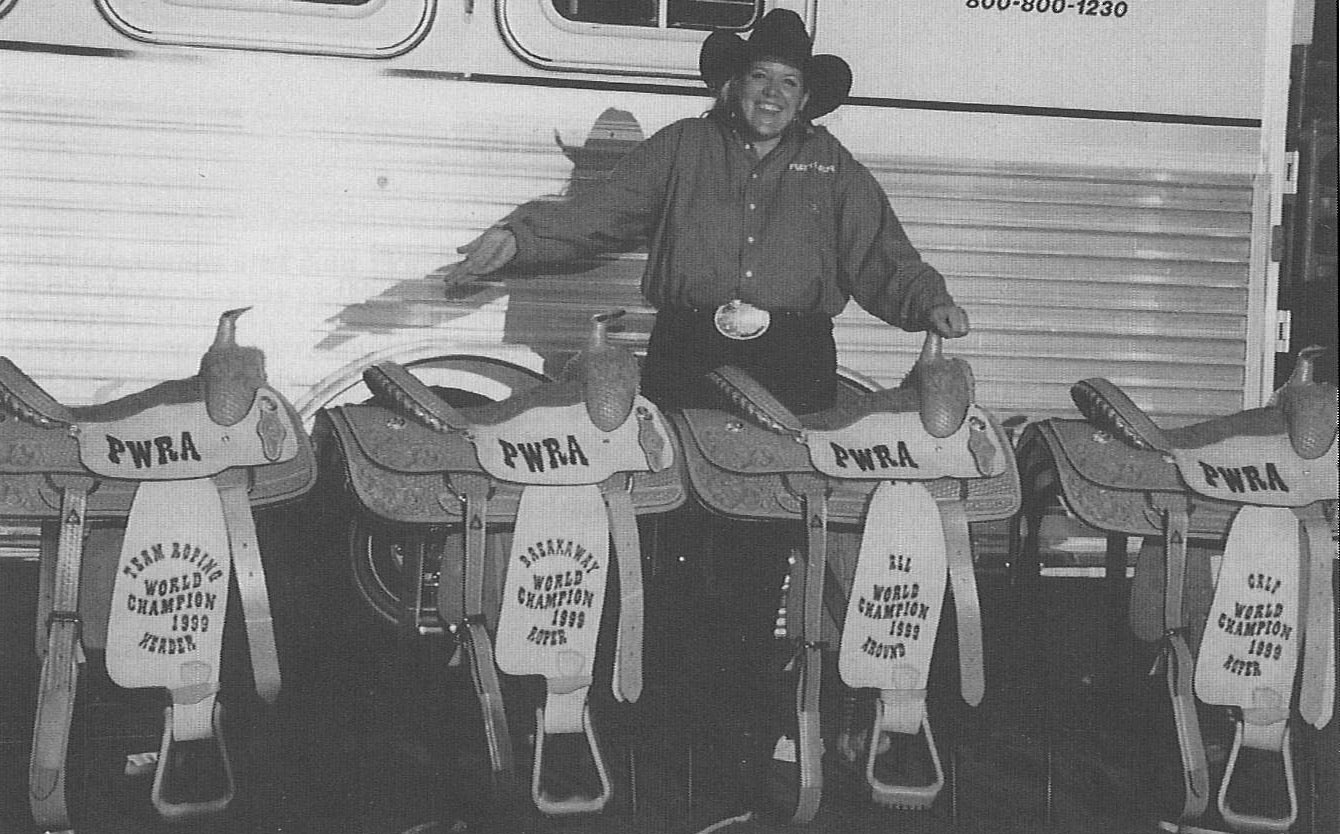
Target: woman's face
{"points": [[770, 95]]}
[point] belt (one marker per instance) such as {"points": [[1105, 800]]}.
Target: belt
{"points": [[742, 321], [709, 312]]}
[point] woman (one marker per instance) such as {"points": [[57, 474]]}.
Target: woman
{"points": [[762, 226]]}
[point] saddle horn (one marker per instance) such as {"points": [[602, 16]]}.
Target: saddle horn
{"points": [[231, 373], [608, 373], [1309, 406], [945, 386]]}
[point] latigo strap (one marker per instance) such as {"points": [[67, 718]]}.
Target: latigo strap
{"points": [[60, 671], [473, 492], [1179, 662], [1316, 696]]}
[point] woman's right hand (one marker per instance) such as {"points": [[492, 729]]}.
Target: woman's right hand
{"points": [[487, 253]]}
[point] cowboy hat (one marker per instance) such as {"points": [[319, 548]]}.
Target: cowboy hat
{"points": [[780, 36]]}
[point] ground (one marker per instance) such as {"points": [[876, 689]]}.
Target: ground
{"points": [[375, 733]]}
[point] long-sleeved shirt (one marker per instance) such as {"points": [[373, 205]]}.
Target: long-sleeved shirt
{"points": [[804, 229]]}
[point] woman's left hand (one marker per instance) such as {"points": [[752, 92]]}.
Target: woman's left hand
{"points": [[948, 320]]}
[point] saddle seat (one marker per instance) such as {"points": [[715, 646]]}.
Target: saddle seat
{"points": [[24, 397], [938, 389], [1282, 454], [1303, 410], [229, 377], [926, 428], [603, 377]]}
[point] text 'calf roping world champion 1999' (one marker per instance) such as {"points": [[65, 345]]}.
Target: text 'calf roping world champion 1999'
{"points": [[547, 480], [1263, 481], [145, 505], [911, 466]]}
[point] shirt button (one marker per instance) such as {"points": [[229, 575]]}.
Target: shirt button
{"points": [[753, 176], [750, 239], [749, 273], [752, 206]]}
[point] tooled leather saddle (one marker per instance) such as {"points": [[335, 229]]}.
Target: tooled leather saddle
{"points": [[145, 506], [1263, 483], [868, 474], [540, 483]]}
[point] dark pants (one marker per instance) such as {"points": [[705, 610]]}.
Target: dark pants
{"points": [[796, 360], [723, 577]]}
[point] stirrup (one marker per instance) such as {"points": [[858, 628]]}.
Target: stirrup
{"points": [[896, 712], [1272, 738], [566, 713], [171, 753]]}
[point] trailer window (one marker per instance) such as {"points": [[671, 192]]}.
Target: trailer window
{"points": [[627, 37], [682, 14], [356, 28]]}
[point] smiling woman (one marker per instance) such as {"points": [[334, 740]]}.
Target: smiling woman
{"points": [[769, 97]]}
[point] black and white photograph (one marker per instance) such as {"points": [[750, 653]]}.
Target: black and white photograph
{"points": [[668, 417]]}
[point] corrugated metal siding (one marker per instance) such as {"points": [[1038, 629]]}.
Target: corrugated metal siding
{"points": [[1137, 275], [1140, 276], [132, 218]]}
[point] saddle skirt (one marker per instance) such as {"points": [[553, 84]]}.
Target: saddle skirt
{"points": [[1111, 485]]}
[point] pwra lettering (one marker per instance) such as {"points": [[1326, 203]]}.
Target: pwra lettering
{"points": [[142, 452], [548, 452]]}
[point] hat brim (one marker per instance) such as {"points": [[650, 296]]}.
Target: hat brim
{"points": [[828, 78]]}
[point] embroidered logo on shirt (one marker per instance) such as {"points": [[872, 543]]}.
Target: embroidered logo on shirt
{"points": [[817, 167]]}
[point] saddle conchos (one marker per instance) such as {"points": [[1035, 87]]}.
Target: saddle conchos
{"points": [[146, 512], [1259, 481], [886, 462], [550, 480]]}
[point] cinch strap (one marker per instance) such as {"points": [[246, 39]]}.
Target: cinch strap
{"points": [[249, 570], [1180, 665], [60, 671], [627, 550], [473, 633], [967, 606], [809, 744], [1316, 696]]}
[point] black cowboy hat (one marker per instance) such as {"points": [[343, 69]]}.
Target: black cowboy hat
{"points": [[779, 36]]}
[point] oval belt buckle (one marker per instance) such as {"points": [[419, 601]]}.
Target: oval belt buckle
{"points": [[740, 320]]}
